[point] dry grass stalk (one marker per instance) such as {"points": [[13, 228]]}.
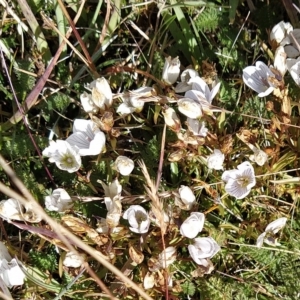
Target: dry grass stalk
{"points": [[156, 205]]}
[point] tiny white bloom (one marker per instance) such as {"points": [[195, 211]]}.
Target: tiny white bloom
{"points": [[259, 156], [215, 160], [87, 137], [65, 156], [88, 104], [293, 66], [167, 257], [171, 119], [171, 70], [138, 219], [149, 281], [257, 78], [114, 210], [186, 198], [73, 260], [202, 248], [186, 77], [133, 100], [11, 209], [196, 127], [239, 181], [124, 165], [271, 229], [200, 85], [59, 201], [113, 189], [280, 31], [101, 93], [276, 225], [192, 225], [190, 108], [280, 60], [102, 227], [11, 273]]}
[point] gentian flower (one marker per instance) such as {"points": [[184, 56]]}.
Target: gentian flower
{"points": [[124, 165], [65, 156], [59, 201], [239, 181], [202, 249], [138, 219], [192, 225], [171, 70], [270, 230], [215, 160], [87, 137], [258, 79], [186, 198]]}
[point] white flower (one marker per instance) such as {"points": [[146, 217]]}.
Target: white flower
{"points": [[134, 101], [257, 78], [88, 104], [270, 230], [279, 33], [192, 225], [58, 201], [87, 137], [124, 165], [293, 39], [171, 119], [196, 127], [204, 247], [171, 70], [215, 160], [200, 85], [11, 273], [186, 198], [259, 156], [165, 259], [102, 227], [137, 218], [11, 209], [280, 60], [114, 210], [73, 260], [293, 66], [239, 181], [190, 108], [186, 77], [65, 156], [101, 93], [113, 189]]}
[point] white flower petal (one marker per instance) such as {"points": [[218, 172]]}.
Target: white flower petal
{"points": [[189, 108], [73, 260], [124, 165], [58, 201], [101, 93], [276, 225], [192, 225], [205, 247], [215, 160], [138, 219], [65, 156], [171, 70], [240, 181]]}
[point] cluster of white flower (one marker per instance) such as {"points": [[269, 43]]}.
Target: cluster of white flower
{"points": [[285, 42], [87, 138]]}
